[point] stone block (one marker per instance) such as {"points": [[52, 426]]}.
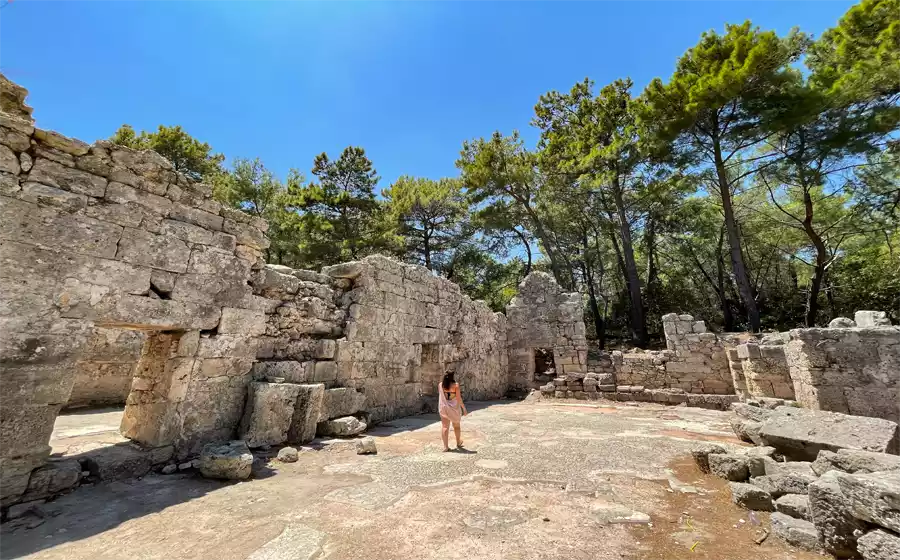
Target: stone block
{"points": [[268, 413], [197, 217], [325, 371], [795, 505], [66, 178], [288, 455], [729, 466], [341, 427], [870, 319], [366, 446], [879, 545], [53, 478], [780, 484], [158, 251], [306, 415], [343, 401], [854, 461], [230, 460], [873, 497], [831, 513], [242, 321], [124, 194], [801, 433], [795, 532], [246, 234], [750, 497]]}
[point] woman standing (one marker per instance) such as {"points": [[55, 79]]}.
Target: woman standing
{"points": [[451, 409]]}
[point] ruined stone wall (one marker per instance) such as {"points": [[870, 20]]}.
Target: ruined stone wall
{"points": [[103, 236], [105, 368], [849, 370], [404, 328], [542, 316], [762, 370], [387, 330], [695, 360]]}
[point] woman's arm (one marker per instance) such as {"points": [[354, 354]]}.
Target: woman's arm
{"points": [[462, 405]]}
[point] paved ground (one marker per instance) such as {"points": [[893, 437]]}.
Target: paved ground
{"points": [[537, 481]]}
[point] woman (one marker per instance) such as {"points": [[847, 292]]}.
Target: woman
{"points": [[451, 408]]}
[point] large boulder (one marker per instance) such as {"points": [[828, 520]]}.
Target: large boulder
{"points": [[800, 433], [751, 497], [872, 319], [841, 323], [873, 497], [341, 427], [230, 460], [307, 410], [830, 512], [268, 413], [855, 461], [795, 532], [879, 545]]}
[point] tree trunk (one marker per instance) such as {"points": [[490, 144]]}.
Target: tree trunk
{"points": [[599, 324], [426, 249], [527, 251], [815, 285], [734, 241], [724, 300], [638, 323]]}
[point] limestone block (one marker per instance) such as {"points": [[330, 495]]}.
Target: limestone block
{"points": [[138, 311], [841, 323], [126, 177], [246, 234], [226, 346], [117, 462], [750, 497], [879, 545], [60, 142], [341, 427], [366, 446], [801, 433], [289, 370], [14, 139], [873, 497], [325, 349], [158, 251], [832, 515], [66, 178], [325, 371], [702, 452], [795, 505], [205, 220], [795, 532], [53, 478], [50, 229], [226, 460], [872, 319], [242, 321], [307, 410], [268, 413], [729, 466], [196, 234], [340, 402], [123, 194], [128, 214], [783, 483], [854, 461]]}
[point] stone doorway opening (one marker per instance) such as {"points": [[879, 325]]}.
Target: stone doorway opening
{"points": [[544, 365]]}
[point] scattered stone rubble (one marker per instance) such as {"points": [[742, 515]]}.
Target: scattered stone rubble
{"points": [[832, 480]]}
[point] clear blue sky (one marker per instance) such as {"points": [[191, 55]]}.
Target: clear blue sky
{"points": [[285, 81]]}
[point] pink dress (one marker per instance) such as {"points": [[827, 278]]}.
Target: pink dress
{"points": [[449, 408]]}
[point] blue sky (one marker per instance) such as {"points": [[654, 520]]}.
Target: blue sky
{"points": [[407, 81]]}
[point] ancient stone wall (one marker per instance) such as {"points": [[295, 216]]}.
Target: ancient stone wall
{"points": [[544, 318], [849, 370], [106, 368], [103, 236], [761, 370], [695, 360]]}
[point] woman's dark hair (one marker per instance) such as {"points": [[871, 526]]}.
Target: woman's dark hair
{"points": [[448, 380]]}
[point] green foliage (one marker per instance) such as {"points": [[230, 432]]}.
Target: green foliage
{"points": [[340, 218], [430, 217], [189, 156]]}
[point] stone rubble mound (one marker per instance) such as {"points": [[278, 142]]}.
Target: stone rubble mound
{"points": [[832, 480]]}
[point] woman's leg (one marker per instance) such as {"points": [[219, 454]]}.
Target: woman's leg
{"points": [[445, 432], [457, 430]]}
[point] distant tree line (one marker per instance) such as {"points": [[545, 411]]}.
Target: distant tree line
{"points": [[757, 187]]}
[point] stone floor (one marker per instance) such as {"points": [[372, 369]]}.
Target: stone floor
{"points": [[551, 480], [85, 430]]}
